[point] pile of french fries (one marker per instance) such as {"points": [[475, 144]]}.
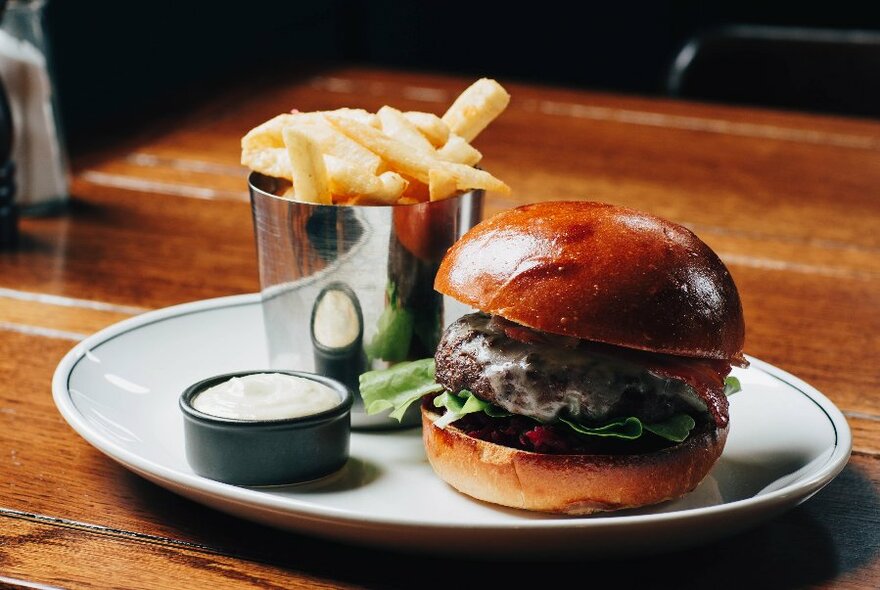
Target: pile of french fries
{"points": [[353, 157]]}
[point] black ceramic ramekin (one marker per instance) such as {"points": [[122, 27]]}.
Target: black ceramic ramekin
{"points": [[267, 452]]}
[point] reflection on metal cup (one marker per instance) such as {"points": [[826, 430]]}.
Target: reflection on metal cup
{"points": [[337, 328], [347, 289]]}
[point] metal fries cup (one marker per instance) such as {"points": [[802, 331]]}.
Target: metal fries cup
{"points": [[347, 289]]}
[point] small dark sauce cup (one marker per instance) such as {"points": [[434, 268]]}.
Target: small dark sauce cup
{"points": [[267, 452]]}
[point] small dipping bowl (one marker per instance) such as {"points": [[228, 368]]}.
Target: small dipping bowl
{"points": [[267, 452]]}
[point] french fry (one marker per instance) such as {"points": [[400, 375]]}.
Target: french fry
{"points": [[361, 115], [395, 125], [269, 161], [333, 143], [430, 125], [348, 180], [441, 184], [476, 107], [307, 168], [459, 150], [266, 135], [415, 163], [467, 178]]}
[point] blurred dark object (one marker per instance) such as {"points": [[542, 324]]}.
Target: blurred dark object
{"points": [[8, 207], [39, 149], [121, 66], [818, 70]]}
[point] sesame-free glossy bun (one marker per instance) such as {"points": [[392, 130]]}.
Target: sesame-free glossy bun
{"points": [[599, 272], [568, 484]]}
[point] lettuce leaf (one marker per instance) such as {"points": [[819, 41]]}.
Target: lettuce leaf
{"points": [[629, 428], [461, 403], [676, 428], [731, 386], [397, 387]]}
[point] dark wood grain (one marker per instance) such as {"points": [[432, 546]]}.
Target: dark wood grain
{"points": [[791, 202], [41, 552]]}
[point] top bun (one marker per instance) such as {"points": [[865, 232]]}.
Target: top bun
{"points": [[599, 272]]}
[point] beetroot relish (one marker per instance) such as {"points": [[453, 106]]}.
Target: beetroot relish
{"points": [[526, 434]]}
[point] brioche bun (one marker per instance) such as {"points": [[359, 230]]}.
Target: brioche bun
{"points": [[568, 484], [599, 272]]}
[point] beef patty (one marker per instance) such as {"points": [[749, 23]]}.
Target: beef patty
{"points": [[546, 377]]}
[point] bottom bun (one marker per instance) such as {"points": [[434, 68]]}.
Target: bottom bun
{"points": [[568, 484]]}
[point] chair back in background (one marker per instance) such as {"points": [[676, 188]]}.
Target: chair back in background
{"points": [[819, 70]]}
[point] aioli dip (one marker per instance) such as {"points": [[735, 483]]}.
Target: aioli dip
{"points": [[266, 396]]}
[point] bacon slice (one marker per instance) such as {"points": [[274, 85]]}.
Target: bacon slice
{"points": [[706, 377], [530, 336]]}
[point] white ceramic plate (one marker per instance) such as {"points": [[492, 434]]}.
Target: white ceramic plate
{"points": [[119, 390]]}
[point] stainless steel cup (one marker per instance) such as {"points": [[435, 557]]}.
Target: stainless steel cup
{"points": [[347, 289]]}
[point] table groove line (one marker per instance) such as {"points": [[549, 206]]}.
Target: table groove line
{"points": [[108, 531], [64, 301], [772, 264], [42, 331], [6, 581], [148, 160], [165, 188], [861, 415], [706, 125], [825, 244]]}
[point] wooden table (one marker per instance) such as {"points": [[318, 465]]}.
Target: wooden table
{"points": [[790, 202]]}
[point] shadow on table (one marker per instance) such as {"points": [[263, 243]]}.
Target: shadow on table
{"points": [[818, 541]]}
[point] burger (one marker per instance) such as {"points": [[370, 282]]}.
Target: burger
{"points": [[593, 374]]}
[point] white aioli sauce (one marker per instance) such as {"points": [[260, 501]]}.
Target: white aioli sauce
{"points": [[266, 396]]}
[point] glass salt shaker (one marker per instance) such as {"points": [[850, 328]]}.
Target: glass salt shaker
{"points": [[42, 170]]}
